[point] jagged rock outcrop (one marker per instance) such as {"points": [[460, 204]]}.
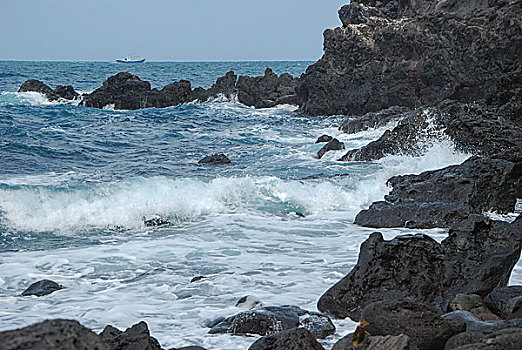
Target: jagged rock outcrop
{"points": [[218, 158], [332, 145], [478, 256], [268, 90], [472, 128], [440, 198], [52, 335], [137, 337], [400, 53], [373, 120], [127, 91]]}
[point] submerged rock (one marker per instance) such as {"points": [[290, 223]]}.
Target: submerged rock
{"points": [[215, 159], [478, 256], [66, 91], [333, 145], [273, 319], [155, 221], [293, 339], [137, 337], [52, 335], [41, 288], [439, 198]]}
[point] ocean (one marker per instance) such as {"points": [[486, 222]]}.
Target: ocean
{"points": [[76, 185]]}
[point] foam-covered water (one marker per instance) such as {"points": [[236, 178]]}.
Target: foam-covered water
{"points": [[76, 184]]}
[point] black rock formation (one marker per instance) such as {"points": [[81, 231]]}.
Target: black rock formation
{"points": [[426, 329], [66, 91], [332, 145], [52, 335], [399, 53], [505, 339], [478, 256], [137, 337], [41, 288], [374, 120], [293, 339], [215, 159], [442, 197], [273, 319], [502, 301], [324, 138], [388, 342], [61, 91]]}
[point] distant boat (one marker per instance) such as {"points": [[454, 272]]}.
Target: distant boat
{"points": [[130, 60]]}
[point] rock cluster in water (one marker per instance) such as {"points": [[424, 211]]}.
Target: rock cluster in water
{"points": [[127, 91]]}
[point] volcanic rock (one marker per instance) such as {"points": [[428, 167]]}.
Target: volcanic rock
{"points": [[136, 338], [503, 300], [374, 120], [215, 159], [273, 319], [473, 324], [293, 339], [66, 91], [38, 86], [418, 321], [41, 288], [324, 138], [478, 256], [442, 197], [505, 339], [397, 53], [333, 145], [388, 342], [52, 335]]}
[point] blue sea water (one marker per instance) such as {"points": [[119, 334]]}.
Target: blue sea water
{"points": [[76, 184]]}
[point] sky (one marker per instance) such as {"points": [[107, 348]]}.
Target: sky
{"points": [[165, 30]]}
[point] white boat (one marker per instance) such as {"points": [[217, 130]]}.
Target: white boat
{"points": [[129, 59]]}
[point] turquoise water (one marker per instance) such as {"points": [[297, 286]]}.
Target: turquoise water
{"points": [[76, 184]]}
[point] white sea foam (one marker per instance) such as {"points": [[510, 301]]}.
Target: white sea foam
{"points": [[33, 98]]}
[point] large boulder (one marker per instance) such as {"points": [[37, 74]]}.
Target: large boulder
{"points": [[293, 339], [273, 319], [400, 53], [66, 91], [442, 197], [503, 300], [478, 256], [135, 338], [474, 324], [426, 329], [387, 342], [52, 335], [504, 339]]}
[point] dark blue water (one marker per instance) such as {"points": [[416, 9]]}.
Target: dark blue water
{"points": [[76, 185]]}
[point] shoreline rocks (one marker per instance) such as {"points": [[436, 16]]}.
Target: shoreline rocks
{"points": [[478, 256], [41, 288], [61, 91]]}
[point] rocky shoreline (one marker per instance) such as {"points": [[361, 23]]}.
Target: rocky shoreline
{"points": [[442, 69]]}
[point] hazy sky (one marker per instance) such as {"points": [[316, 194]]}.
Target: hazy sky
{"points": [[177, 30]]}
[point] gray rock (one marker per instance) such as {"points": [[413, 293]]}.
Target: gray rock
{"points": [[419, 322], [52, 335], [293, 339], [41, 288], [33, 85], [374, 120], [502, 300], [478, 256], [473, 324], [273, 319], [388, 342], [505, 339]]}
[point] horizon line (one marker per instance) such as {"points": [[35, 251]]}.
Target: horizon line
{"points": [[161, 61]]}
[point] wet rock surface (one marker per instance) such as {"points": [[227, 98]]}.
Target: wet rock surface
{"points": [[505, 339], [396, 53], [293, 339], [442, 197], [324, 138], [419, 322], [52, 335], [388, 342], [332, 145], [473, 324], [478, 256], [273, 319], [41, 288], [374, 120], [215, 159]]}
